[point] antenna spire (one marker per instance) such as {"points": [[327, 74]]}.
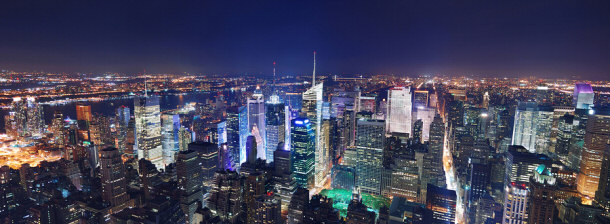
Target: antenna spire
{"points": [[273, 87], [313, 83]]}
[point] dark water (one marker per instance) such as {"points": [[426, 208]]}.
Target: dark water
{"points": [[109, 107]]}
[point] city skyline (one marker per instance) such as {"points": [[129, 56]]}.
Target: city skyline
{"points": [[317, 112]]}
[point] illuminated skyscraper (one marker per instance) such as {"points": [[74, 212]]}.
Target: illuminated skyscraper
{"points": [[399, 110], [596, 139], [243, 133], [190, 182], [367, 103], [285, 185], [148, 129], [420, 98], [405, 178], [485, 103], [234, 136], [268, 210], [208, 152], [256, 120], [83, 119], [35, 123], [312, 108], [123, 115], [426, 115], [114, 184], [435, 152], [274, 118], [602, 195], [442, 204], [370, 142], [57, 128], [524, 132], [583, 96], [226, 196], [170, 138], [417, 131], [185, 137], [519, 164], [532, 127], [303, 138], [25, 118], [515, 204], [543, 189]]}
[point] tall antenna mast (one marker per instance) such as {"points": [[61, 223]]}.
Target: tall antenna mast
{"points": [[145, 87], [313, 83], [274, 74]]}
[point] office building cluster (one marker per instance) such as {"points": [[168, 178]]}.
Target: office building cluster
{"points": [[304, 150]]}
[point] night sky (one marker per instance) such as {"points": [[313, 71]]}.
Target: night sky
{"points": [[490, 38]]}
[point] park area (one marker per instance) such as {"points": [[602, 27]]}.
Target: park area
{"points": [[341, 199]]}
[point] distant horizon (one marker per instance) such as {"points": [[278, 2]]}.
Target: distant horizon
{"points": [[281, 75]]}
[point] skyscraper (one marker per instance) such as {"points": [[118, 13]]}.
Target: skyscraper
{"points": [[226, 196], [244, 132], [417, 131], [185, 137], [114, 184], [233, 136], [190, 182], [532, 127], [18, 117], [268, 209], [426, 115], [84, 119], [123, 115], [208, 152], [274, 118], [251, 149], [25, 118], [602, 195], [298, 203], [442, 204], [543, 188], [520, 163], [399, 110], [515, 204], [435, 152], [583, 96], [57, 128], [148, 129], [170, 138], [35, 123], [596, 139], [256, 120], [302, 136], [285, 185], [370, 142], [312, 108], [420, 98]]}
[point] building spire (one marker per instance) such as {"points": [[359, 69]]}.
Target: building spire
{"points": [[313, 82]]}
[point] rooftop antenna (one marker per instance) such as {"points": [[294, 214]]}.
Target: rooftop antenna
{"points": [[313, 83], [274, 74]]}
